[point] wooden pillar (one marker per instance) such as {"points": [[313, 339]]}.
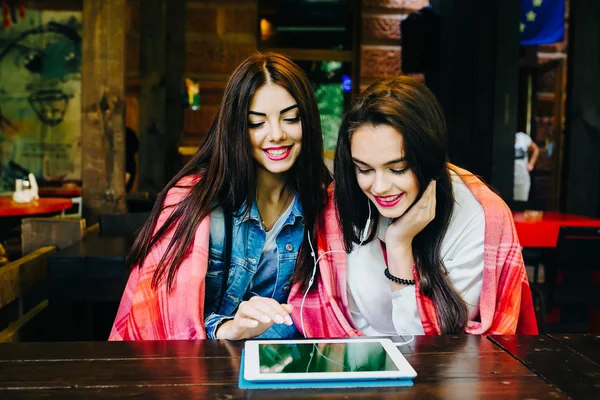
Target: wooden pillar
{"points": [[162, 56], [477, 84], [582, 134], [103, 106]]}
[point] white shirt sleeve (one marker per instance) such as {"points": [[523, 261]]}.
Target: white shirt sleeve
{"points": [[360, 321], [523, 140], [405, 314], [462, 252], [464, 262]]}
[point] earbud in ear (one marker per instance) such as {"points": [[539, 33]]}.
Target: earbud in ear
{"points": [[365, 232]]}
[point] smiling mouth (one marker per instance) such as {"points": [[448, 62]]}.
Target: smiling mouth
{"points": [[278, 153], [50, 106], [388, 201]]}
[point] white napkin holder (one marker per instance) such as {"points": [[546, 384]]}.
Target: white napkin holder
{"points": [[26, 195]]}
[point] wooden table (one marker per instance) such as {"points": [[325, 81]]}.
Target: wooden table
{"points": [[544, 233], [448, 367], [570, 362]]}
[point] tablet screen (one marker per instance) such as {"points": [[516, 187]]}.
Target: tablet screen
{"points": [[278, 358]]}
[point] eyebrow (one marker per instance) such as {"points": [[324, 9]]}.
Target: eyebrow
{"points": [[398, 160], [280, 112]]}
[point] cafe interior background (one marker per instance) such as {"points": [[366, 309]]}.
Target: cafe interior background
{"points": [[87, 88]]}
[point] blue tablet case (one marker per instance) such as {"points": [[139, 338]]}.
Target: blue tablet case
{"points": [[245, 384]]}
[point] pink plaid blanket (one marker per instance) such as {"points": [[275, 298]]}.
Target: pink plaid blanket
{"points": [[505, 304]]}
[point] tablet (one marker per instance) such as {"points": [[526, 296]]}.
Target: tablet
{"points": [[327, 359]]}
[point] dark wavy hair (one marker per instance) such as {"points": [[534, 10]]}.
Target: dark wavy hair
{"points": [[227, 167], [409, 107]]}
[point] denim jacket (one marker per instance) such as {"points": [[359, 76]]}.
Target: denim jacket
{"points": [[248, 242]]}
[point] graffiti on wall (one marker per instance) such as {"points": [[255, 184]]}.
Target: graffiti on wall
{"points": [[40, 97]]}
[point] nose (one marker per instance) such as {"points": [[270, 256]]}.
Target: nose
{"points": [[277, 134], [380, 185]]}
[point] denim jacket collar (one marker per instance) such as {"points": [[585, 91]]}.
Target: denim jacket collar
{"points": [[242, 216]]}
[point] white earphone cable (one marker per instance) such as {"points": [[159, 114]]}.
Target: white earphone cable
{"points": [[399, 344], [312, 278], [363, 237]]}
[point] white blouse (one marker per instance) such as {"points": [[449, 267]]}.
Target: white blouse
{"points": [[379, 311]]}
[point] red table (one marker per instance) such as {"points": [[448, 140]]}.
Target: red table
{"points": [[544, 233], [9, 208]]}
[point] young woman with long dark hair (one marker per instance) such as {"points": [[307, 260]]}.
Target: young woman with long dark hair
{"points": [[430, 248], [226, 238]]}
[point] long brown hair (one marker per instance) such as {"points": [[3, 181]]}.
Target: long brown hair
{"points": [[409, 107], [227, 169]]}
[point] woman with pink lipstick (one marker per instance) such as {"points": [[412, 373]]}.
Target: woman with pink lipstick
{"points": [[228, 235], [429, 248]]}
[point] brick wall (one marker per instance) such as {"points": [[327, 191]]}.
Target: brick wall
{"points": [[219, 35], [381, 42]]}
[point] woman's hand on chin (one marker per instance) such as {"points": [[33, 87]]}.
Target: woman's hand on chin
{"points": [[254, 317], [402, 231]]}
